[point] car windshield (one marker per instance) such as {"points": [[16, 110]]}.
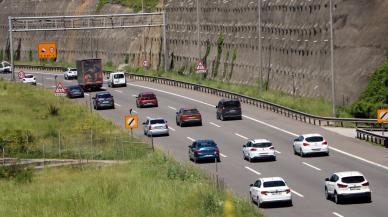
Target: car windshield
{"points": [[149, 96], [262, 145], [314, 139], [104, 95], [190, 111], [29, 76], [6, 64], [117, 76], [353, 179], [271, 184], [233, 103], [158, 121], [204, 144]]}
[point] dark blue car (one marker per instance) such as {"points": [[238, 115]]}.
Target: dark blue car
{"points": [[204, 150], [103, 100]]}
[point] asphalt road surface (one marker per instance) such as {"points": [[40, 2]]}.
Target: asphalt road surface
{"points": [[305, 176]]}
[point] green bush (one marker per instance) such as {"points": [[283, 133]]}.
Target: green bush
{"points": [[19, 173], [374, 97]]}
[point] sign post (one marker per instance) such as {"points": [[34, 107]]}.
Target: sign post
{"points": [[131, 122], [60, 90], [382, 117], [201, 69]]}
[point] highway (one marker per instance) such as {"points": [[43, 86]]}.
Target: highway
{"points": [[305, 176]]}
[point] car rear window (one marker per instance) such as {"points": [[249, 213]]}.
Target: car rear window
{"points": [[314, 139], [233, 103], [207, 144], [74, 88], [73, 70], [190, 111], [270, 184], [105, 95], [262, 145], [353, 179], [149, 96], [117, 76], [157, 121], [29, 76]]}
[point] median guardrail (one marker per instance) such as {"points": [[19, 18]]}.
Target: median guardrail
{"points": [[288, 112], [370, 135]]}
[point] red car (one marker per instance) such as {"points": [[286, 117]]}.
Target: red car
{"points": [[188, 116], [146, 99]]}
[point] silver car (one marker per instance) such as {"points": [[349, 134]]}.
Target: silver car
{"points": [[155, 127]]}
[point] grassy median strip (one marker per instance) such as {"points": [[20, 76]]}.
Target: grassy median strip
{"points": [[148, 184]]}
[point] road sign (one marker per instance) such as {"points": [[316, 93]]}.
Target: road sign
{"points": [[60, 90], [47, 50], [146, 64], [131, 121], [382, 116], [201, 69], [21, 74]]}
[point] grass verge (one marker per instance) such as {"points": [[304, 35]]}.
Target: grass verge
{"points": [[150, 184], [136, 5]]}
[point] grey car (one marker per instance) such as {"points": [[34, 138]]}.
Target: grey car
{"points": [[103, 100], [229, 109], [155, 127]]}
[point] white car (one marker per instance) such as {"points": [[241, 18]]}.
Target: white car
{"points": [[270, 190], [347, 185], [258, 149], [116, 79], [70, 73], [29, 79], [155, 127], [5, 67], [310, 144]]}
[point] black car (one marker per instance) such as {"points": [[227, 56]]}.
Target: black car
{"points": [[103, 100], [74, 91], [229, 108]]}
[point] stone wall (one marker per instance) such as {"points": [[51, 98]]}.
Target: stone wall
{"points": [[110, 45], [295, 42]]}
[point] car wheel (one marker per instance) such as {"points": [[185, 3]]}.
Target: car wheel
{"points": [[337, 199], [368, 199], [137, 105], [249, 159], [274, 158], [250, 196], [195, 160], [290, 203], [259, 203], [222, 117], [293, 147], [200, 123], [327, 196], [301, 153], [328, 154], [244, 157], [217, 116], [218, 159]]}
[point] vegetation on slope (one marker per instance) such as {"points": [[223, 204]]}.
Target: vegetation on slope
{"points": [[149, 5], [374, 97]]}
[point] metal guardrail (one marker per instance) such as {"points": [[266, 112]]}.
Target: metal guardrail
{"points": [[290, 113], [368, 135]]}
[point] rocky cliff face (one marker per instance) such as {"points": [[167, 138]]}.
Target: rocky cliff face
{"points": [[295, 52], [295, 42]]}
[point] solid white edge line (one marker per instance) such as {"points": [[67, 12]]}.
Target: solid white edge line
{"points": [[49, 78], [39, 83], [134, 111], [134, 95], [117, 104], [118, 91], [222, 155], [241, 136], [309, 165], [214, 124], [87, 94], [337, 214], [171, 128], [264, 123], [252, 170], [191, 139], [172, 108], [278, 152], [299, 194]]}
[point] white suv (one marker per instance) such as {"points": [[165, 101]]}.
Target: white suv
{"points": [[346, 185], [5, 67], [117, 79], [270, 190], [310, 144], [258, 149], [70, 73]]}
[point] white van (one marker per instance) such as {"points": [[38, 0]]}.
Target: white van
{"points": [[5, 67], [116, 79]]}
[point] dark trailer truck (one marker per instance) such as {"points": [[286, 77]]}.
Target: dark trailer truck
{"points": [[90, 75]]}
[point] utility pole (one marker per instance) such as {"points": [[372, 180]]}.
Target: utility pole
{"points": [[142, 6], [332, 60], [11, 48], [260, 48], [198, 34]]}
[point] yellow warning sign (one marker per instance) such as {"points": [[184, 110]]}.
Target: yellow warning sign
{"points": [[382, 116], [47, 50], [131, 122]]}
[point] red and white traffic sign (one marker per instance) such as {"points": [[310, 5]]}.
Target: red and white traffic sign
{"points": [[146, 64], [21, 74], [201, 69], [60, 89]]}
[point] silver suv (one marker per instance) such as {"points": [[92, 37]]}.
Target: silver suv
{"points": [[5, 67]]}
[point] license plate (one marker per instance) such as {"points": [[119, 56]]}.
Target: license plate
{"points": [[106, 102], [316, 149], [275, 193], [208, 155], [354, 188]]}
